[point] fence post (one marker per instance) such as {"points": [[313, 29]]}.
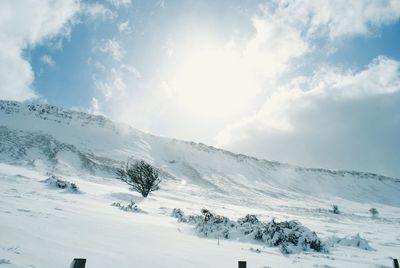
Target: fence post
{"points": [[242, 264], [395, 263], [78, 263]]}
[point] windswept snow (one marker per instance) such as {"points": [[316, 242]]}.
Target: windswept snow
{"points": [[44, 227]]}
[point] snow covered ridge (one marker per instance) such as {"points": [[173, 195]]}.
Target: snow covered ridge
{"points": [[33, 147], [274, 164], [69, 142], [52, 113], [14, 110]]}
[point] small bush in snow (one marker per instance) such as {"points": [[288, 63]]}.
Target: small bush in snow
{"points": [[179, 214], [53, 181], [351, 241], [142, 177], [289, 236], [335, 209], [374, 212], [5, 261], [131, 207], [192, 219], [214, 225], [292, 237]]}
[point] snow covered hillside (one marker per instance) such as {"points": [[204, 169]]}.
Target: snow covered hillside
{"points": [[43, 225]]}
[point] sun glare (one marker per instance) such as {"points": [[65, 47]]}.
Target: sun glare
{"points": [[212, 80]]}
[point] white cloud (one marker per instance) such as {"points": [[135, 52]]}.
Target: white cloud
{"points": [[131, 70], [113, 48], [335, 18], [273, 45], [94, 107], [120, 3], [336, 119], [123, 26], [285, 30], [114, 87], [16, 75], [284, 127], [161, 3], [208, 73], [96, 64], [46, 59], [211, 72], [22, 25], [97, 10], [342, 17]]}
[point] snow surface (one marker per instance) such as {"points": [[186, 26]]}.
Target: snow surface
{"points": [[42, 226]]}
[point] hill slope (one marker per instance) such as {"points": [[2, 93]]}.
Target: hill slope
{"points": [[37, 140]]}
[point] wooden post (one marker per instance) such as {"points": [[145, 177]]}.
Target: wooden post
{"points": [[395, 263], [78, 263], [242, 264]]}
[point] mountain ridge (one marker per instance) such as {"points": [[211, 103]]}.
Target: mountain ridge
{"points": [[60, 115]]}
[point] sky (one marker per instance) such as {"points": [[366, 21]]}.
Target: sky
{"points": [[312, 83]]}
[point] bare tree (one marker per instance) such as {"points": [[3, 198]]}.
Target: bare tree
{"points": [[141, 176]]}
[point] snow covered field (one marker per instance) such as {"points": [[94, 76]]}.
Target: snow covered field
{"points": [[45, 226]]}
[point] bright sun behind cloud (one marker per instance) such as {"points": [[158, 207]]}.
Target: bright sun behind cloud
{"points": [[212, 79]]}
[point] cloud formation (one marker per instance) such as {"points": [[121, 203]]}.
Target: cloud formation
{"points": [[24, 25], [112, 88], [123, 26], [96, 10], [120, 3], [113, 48], [334, 18], [243, 94], [336, 119], [46, 59]]}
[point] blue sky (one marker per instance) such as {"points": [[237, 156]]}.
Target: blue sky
{"points": [[293, 81], [152, 26]]}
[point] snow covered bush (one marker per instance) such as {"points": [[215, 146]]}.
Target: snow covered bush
{"points": [[351, 241], [5, 261], [131, 207], [56, 182], [214, 225], [374, 212], [207, 224], [335, 209], [180, 215], [289, 236], [142, 177]]}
